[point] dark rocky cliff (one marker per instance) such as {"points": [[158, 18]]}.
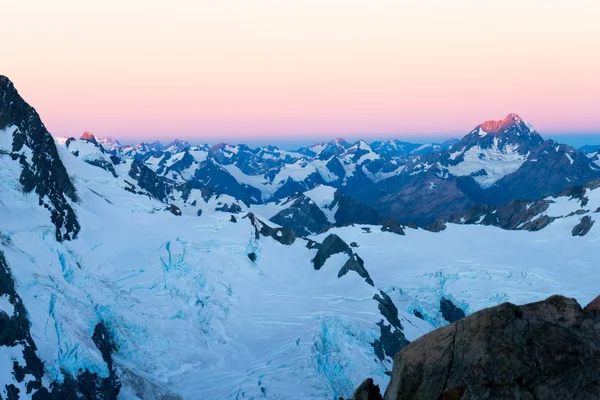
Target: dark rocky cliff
{"points": [[544, 350], [43, 171]]}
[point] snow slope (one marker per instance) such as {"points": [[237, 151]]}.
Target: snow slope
{"points": [[194, 317], [497, 163], [323, 197]]}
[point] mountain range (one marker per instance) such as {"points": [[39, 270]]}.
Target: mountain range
{"points": [[230, 272], [497, 162]]}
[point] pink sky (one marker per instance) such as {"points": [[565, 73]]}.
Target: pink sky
{"points": [[231, 69]]}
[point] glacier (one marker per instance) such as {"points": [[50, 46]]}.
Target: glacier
{"points": [[193, 317]]}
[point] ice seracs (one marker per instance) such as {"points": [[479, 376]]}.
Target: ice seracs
{"points": [[108, 282]]}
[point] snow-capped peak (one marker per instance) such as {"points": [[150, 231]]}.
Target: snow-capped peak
{"points": [[108, 141], [177, 146], [89, 137], [511, 120]]}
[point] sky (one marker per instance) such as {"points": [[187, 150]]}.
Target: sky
{"points": [[301, 70]]}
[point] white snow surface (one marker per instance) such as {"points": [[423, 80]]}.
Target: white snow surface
{"points": [[495, 162], [6, 306], [323, 196], [191, 313], [297, 171], [6, 138]]}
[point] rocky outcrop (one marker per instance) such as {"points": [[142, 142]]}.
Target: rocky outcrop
{"points": [[391, 339], [512, 215], [449, 311], [530, 215], [229, 208], [583, 227], [150, 181], [392, 225], [89, 137], [105, 165], [351, 211], [332, 244], [173, 209], [15, 337], [301, 215], [212, 175], [436, 226], [368, 390], [544, 350], [304, 217], [14, 333], [355, 263], [282, 235], [42, 169]]}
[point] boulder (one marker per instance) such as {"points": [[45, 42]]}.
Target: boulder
{"points": [[392, 225], [367, 390], [544, 350], [583, 227]]}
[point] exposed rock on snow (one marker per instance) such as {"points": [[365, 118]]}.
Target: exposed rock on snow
{"points": [[392, 338], [584, 226], [449, 311], [20, 364], [355, 263], [544, 350], [173, 209], [332, 244], [42, 170], [367, 390], [148, 180], [436, 226], [534, 215], [392, 225], [230, 208], [282, 235]]}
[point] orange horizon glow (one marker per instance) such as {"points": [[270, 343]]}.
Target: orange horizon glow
{"points": [[287, 69]]}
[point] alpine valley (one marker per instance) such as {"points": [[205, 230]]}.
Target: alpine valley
{"points": [[228, 272]]}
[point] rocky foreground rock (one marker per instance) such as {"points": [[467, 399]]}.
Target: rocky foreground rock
{"points": [[544, 350]]}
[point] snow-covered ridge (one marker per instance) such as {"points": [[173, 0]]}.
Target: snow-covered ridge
{"points": [[187, 301], [198, 295], [495, 156]]}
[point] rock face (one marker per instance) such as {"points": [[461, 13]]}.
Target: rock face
{"points": [[332, 244], [302, 216], [446, 183], [43, 171], [531, 215], [230, 208], [355, 263], [368, 390], [392, 338], [148, 180], [449, 311], [16, 339], [351, 211], [544, 350], [89, 137], [392, 225], [583, 227], [282, 235]]}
